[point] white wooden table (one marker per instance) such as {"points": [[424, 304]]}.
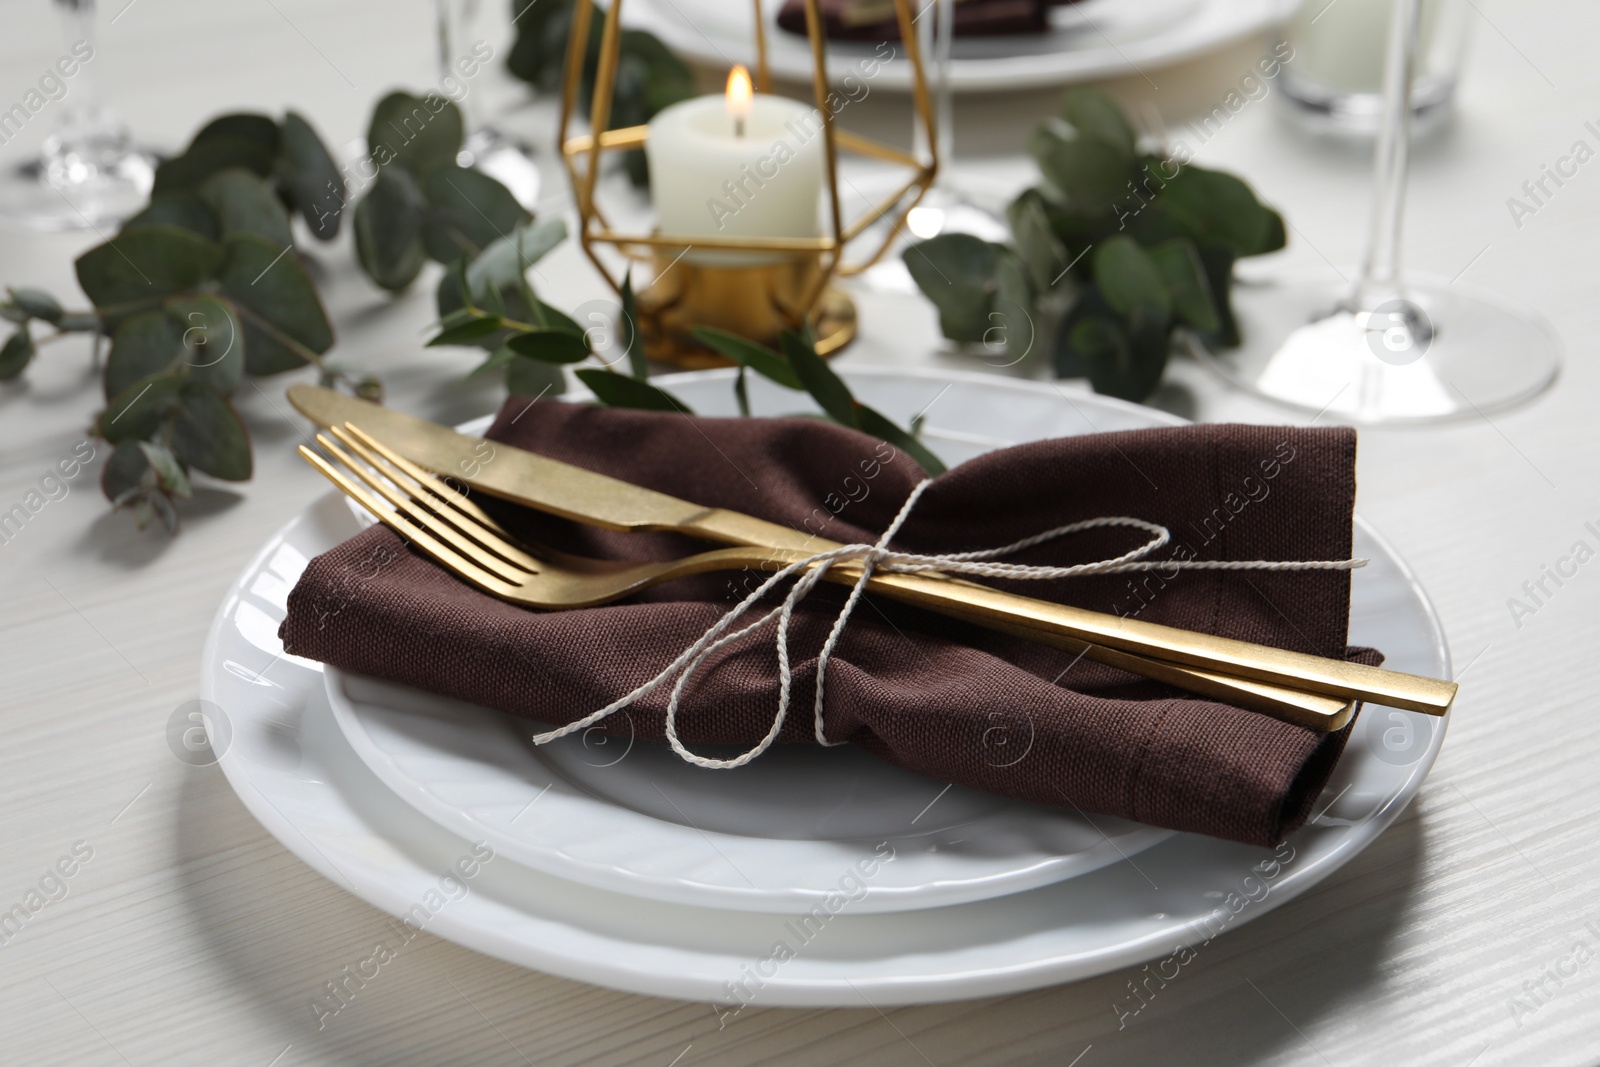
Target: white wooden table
{"points": [[1469, 934]]}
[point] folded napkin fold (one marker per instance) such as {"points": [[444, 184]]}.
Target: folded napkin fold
{"points": [[933, 695], [875, 20]]}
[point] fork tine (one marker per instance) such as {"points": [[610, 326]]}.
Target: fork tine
{"points": [[426, 520], [432, 491], [420, 538]]}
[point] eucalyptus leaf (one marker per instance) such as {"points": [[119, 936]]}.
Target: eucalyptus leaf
{"points": [[169, 472], [278, 305], [622, 391], [209, 436], [506, 259], [550, 345], [1041, 251], [415, 133], [184, 210], [124, 472], [144, 345], [1013, 326], [16, 354], [1218, 260], [37, 304], [160, 505], [825, 387], [956, 272], [139, 409], [1071, 358], [242, 202], [1219, 207], [144, 265], [1130, 281], [1090, 173], [1132, 368], [555, 319], [242, 125], [1096, 114], [307, 169], [534, 377], [388, 230], [1184, 275], [204, 157], [212, 343], [745, 352], [469, 212]]}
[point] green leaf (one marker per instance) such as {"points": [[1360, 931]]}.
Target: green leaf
{"points": [[184, 210], [468, 332], [37, 304], [242, 140], [1132, 368], [209, 436], [144, 345], [1089, 173], [144, 265], [169, 472], [1217, 206], [550, 345], [1036, 243], [1218, 260], [758, 357], [1096, 114], [825, 387], [307, 169], [533, 377], [245, 203], [1130, 281], [388, 230], [506, 259], [628, 331], [956, 272], [621, 391], [212, 342], [15, 355], [469, 212], [277, 304], [871, 421], [1185, 278], [138, 410], [555, 319], [1013, 326], [416, 133], [124, 472]]}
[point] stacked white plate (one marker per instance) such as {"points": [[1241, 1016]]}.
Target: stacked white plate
{"points": [[810, 877]]}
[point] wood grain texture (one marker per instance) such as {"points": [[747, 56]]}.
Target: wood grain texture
{"points": [[193, 937]]}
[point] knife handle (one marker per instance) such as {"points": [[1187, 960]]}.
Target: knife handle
{"points": [[1265, 664]]}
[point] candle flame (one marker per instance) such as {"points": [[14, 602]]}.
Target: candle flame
{"points": [[740, 94]]}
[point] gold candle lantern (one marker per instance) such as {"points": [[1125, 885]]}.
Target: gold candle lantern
{"points": [[753, 283]]}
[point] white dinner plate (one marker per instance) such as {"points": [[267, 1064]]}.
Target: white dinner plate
{"points": [[1088, 40], [286, 758], [770, 836]]}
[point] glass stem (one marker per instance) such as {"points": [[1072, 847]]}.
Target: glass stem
{"points": [[452, 17], [82, 116], [1380, 273]]}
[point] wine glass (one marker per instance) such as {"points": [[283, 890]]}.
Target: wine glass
{"points": [[88, 172], [487, 147], [1388, 347], [945, 207]]}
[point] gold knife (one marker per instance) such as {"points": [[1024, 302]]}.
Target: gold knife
{"points": [[558, 488]]}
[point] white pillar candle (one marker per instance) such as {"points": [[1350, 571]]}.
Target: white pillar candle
{"points": [[717, 173]]}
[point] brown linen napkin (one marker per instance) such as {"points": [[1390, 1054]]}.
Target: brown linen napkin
{"points": [[936, 696], [874, 20]]}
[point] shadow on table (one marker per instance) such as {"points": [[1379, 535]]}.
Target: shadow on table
{"points": [[278, 937]]}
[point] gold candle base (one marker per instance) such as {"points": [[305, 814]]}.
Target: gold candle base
{"points": [[756, 300]]}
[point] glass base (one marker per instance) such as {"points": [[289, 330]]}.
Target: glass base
{"points": [[1432, 351], [1342, 113], [508, 161], [943, 210], [86, 187]]}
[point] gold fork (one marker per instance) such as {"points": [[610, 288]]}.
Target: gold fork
{"points": [[464, 539]]}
